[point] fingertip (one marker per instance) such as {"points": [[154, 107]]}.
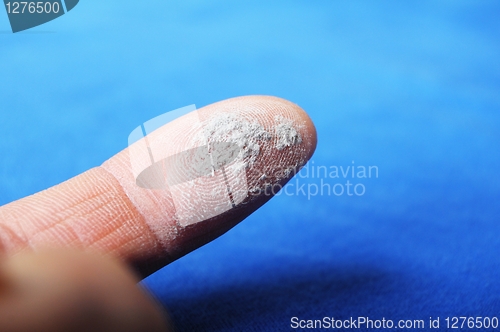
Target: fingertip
{"points": [[220, 164], [274, 139]]}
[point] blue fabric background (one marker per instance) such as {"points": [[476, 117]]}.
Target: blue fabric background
{"points": [[412, 88]]}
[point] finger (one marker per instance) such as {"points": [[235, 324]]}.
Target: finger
{"points": [[105, 210], [72, 291]]}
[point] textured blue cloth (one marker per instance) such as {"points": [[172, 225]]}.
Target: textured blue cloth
{"points": [[410, 88]]}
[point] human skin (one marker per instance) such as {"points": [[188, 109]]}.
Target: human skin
{"points": [[86, 242]]}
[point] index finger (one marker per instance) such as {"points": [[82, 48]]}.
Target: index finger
{"points": [[108, 210]]}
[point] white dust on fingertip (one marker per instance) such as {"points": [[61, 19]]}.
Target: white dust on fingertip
{"points": [[247, 135], [252, 140], [286, 133]]}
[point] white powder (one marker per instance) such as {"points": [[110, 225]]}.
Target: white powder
{"points": [[234, 146], [286, 134], [246, 135]]}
